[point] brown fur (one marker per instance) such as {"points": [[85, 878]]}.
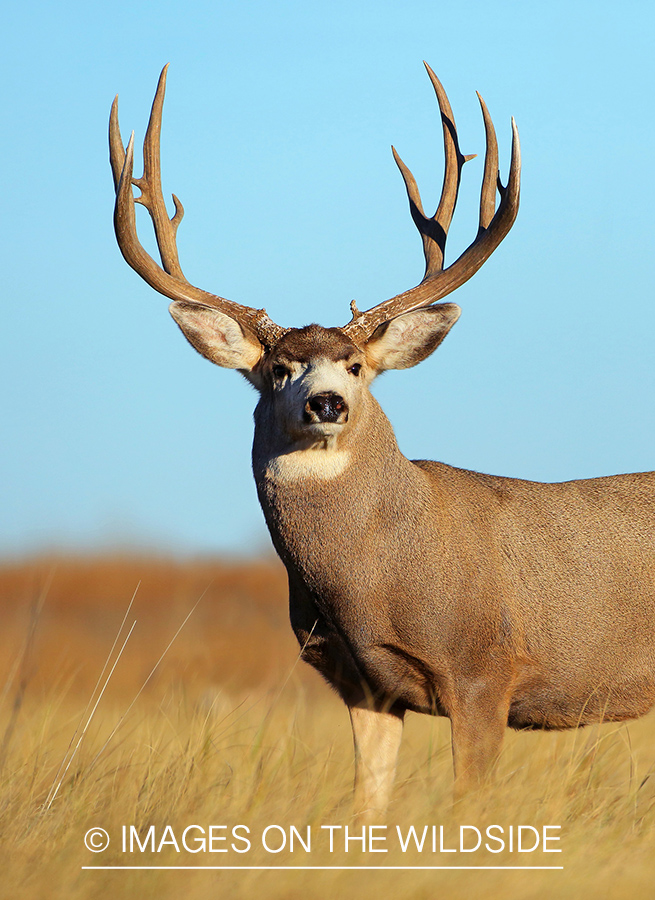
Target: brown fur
{"points": [[493, 601]]}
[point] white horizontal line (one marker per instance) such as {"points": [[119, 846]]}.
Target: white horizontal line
{"points": [[316, 868]]}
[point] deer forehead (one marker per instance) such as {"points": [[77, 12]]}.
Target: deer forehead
{"points": [[315, 341], [317, 358]]}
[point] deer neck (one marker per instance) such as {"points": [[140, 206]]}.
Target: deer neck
{"points": [[316, 498]]}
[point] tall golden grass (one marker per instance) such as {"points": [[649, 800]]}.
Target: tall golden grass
{"points": [[229, 729]]}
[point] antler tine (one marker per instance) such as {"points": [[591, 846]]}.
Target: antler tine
{"points": [[116, 147], [491, 175], [168, 280], [434, 231], [150, 186], [494, 223]]}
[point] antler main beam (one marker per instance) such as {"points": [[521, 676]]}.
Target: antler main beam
{"points": [[168, 280], [494, 223]]}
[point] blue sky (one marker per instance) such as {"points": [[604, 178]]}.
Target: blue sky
{"points": [[277, 127]]}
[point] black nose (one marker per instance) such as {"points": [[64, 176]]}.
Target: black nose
{"points": [[327, 407]]}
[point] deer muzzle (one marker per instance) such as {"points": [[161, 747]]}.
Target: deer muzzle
{"points": [[326, 407]]}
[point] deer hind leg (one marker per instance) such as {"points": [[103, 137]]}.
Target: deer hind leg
{"points": [[478, 719], [377, 735]]}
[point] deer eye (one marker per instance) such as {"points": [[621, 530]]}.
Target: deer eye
{"points": [[280, 371], [355, 369]]}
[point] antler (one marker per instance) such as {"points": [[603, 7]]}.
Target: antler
{"points": [[168, 280], [494, 223]]}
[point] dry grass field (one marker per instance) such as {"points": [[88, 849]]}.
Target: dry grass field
{"points": [[224, 728]]}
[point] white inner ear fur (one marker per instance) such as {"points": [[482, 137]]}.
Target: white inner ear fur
{"points": [[216, 336], [408, 339]]}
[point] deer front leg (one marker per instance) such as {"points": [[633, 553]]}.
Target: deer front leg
{"points": [[377, 735], [478, 719]]}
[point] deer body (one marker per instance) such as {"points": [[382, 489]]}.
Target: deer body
{"points": [[508, 581], [491, 600], [414, 585]]}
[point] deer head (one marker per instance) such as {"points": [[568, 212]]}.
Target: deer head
{"points": [[315, 379]]}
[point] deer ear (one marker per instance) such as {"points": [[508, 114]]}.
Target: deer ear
{"points": [[408, 339], [216, 336]]}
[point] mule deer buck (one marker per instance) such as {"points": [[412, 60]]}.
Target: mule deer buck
{"points": [[414, 585]]}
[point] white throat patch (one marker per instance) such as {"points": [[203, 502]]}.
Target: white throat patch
{"points": [[316, 463]]}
